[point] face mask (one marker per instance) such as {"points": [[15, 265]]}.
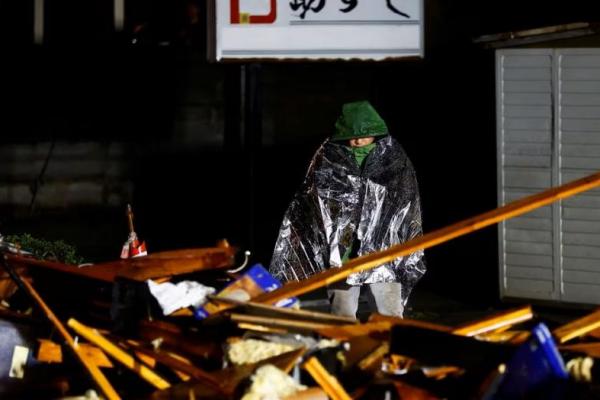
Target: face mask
{"points": [[361, 153]]}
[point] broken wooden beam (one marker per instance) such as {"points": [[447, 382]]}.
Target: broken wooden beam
{"points": [[373, 260], [140, 269], [121, 356]]}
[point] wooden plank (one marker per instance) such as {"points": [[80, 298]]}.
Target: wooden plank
{"points": [[347, 332], [495, 322], [485, 325], [261, 328], [95, 355], [578, 328], [373, 361], [328, 382], [142, 268], [95, 373], [121, 356], [106, 275], [288, 324], [409, 322], [514, 337], [253, 308], [370, 261], [49, 352]]}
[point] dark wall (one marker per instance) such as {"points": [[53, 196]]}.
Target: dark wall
{"points": [[197, 176]]}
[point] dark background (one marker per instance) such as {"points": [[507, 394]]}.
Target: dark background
{"points": [[201, 169]]}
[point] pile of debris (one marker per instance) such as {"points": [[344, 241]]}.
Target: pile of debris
{"points": [[109, 336], [185, 324]]}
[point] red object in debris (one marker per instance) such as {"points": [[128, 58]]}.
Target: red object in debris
{"points": [[133, 247], [137, 249]]}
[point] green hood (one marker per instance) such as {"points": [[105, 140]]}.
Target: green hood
{"points": [[359, 119]]}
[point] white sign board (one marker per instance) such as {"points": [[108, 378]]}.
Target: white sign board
{"points": [[318, 29]]}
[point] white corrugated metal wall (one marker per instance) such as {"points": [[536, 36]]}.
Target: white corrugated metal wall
{"points": [[548, 104]]}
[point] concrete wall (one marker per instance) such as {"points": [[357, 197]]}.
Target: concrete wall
{"points": [[65, 175]]}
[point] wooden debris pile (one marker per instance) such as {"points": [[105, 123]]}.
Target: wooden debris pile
{"points": [[252, 349], [94, 331]]}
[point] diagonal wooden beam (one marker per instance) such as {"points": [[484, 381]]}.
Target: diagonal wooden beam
{"points": [[494, 322], [328, 382], [370, 261], [578, 327], [118, 354]]}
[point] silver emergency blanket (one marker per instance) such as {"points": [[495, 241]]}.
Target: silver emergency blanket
{"points": [[339, 206]]}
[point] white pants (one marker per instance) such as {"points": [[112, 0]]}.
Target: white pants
{"points": [[384, 297]]}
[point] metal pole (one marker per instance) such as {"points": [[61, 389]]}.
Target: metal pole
{"points": [[119, 14], [38, 21]]}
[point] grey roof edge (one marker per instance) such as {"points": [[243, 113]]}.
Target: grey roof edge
{"points": [[538, 35]]}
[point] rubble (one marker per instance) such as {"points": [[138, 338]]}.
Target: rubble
{"points": [[96, 330]]}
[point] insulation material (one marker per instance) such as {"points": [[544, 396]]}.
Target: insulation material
{"points": [[340, 207]]}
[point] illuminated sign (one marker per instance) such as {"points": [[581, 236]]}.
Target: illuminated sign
{"points": [[317, 29]]}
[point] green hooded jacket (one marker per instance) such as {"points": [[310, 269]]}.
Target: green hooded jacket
{"points": [[358, 120]]}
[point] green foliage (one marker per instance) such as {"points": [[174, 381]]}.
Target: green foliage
{"points": [[47, 250]]}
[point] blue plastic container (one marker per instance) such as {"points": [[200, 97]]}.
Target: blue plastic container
{"points": [[536, 370]]}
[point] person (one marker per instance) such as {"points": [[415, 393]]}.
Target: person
{"points": [[360, 195]]}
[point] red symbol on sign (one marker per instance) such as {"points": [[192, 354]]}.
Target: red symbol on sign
{"points": [[244, 18]]}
